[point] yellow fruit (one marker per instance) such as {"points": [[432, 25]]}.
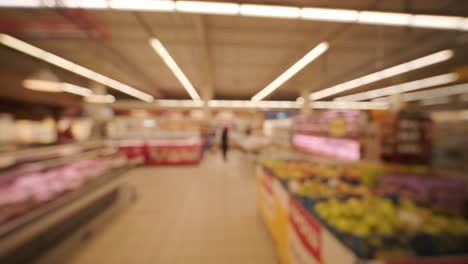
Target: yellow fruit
{"points": [[371, 220], [384, 228], [344, 225], [361, 230]]}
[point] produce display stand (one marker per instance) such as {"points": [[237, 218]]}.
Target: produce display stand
{"points": [[30, 234], [356, 189], [301, 238]]}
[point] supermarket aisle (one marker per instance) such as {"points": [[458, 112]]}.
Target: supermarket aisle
{"points": [[204, 214]]}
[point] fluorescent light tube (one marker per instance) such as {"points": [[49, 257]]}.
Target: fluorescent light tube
{"points": [[21, 3], [432, 93], [72, 67], [232, 8], [435, 101], [326, 14], [464, 24], [383, 74], [270, 11], [295, 68], [384, 18], [75, 89], [253, 104], [43, 86], [243, 104], [55, 87], [166, 57], [168, 103], [247, 104], [179, 103], [401, 88], [439, 22], [87, 4], [142, 5], [21, 46], [349, 105], [207, 7], [100, 99], [300, 100]]}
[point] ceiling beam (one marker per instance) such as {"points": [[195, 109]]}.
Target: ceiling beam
{"points": [[207, 91]]}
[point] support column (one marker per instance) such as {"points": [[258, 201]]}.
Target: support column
{"points": [[306, 102], [206, 69], [99, 113], [396, 102], [206, 95]]}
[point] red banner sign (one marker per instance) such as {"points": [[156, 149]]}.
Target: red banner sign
{"points": [[305, 237]]}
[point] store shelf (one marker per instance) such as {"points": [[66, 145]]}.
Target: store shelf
{"points": [[15, 158], [11, 172]]}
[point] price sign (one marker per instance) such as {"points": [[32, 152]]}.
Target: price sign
{"points": [[304, 236]]}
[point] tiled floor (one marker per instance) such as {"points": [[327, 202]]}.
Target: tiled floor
{"points": [[188, 214]]}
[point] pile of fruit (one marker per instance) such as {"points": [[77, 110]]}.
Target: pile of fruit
{"points": [[315, 188], [363, 172], [360, 217], [378, 216], [375, 225], [286, 169], [380, 209]]}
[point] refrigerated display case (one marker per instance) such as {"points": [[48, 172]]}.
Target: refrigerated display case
{"points": [[44, 192], [158, 141]]}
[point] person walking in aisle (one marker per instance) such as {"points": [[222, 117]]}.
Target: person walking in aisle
{"points": [[224, 142]]}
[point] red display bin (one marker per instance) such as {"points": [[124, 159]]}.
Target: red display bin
{"points": [[174, 151], [132, 148]]}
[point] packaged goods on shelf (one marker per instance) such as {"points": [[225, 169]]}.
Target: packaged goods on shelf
{"points": [[278, 131], [253, 143], [39, 179], [442, 193], [370, 135], [450, 147], [8, 130]]}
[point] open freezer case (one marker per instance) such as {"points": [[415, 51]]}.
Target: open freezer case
{"points": [[46, 193], [158, 141]]}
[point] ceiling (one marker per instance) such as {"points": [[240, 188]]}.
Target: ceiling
{"points": [[237, 56]]}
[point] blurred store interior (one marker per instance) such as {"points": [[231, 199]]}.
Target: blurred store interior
{"points": [[279, 131]]}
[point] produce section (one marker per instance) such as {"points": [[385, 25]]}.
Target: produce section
{"points": [[368, 210], [362, 219]]}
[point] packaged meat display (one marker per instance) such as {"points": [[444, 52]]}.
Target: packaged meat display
{"points": [[23, 192]]}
